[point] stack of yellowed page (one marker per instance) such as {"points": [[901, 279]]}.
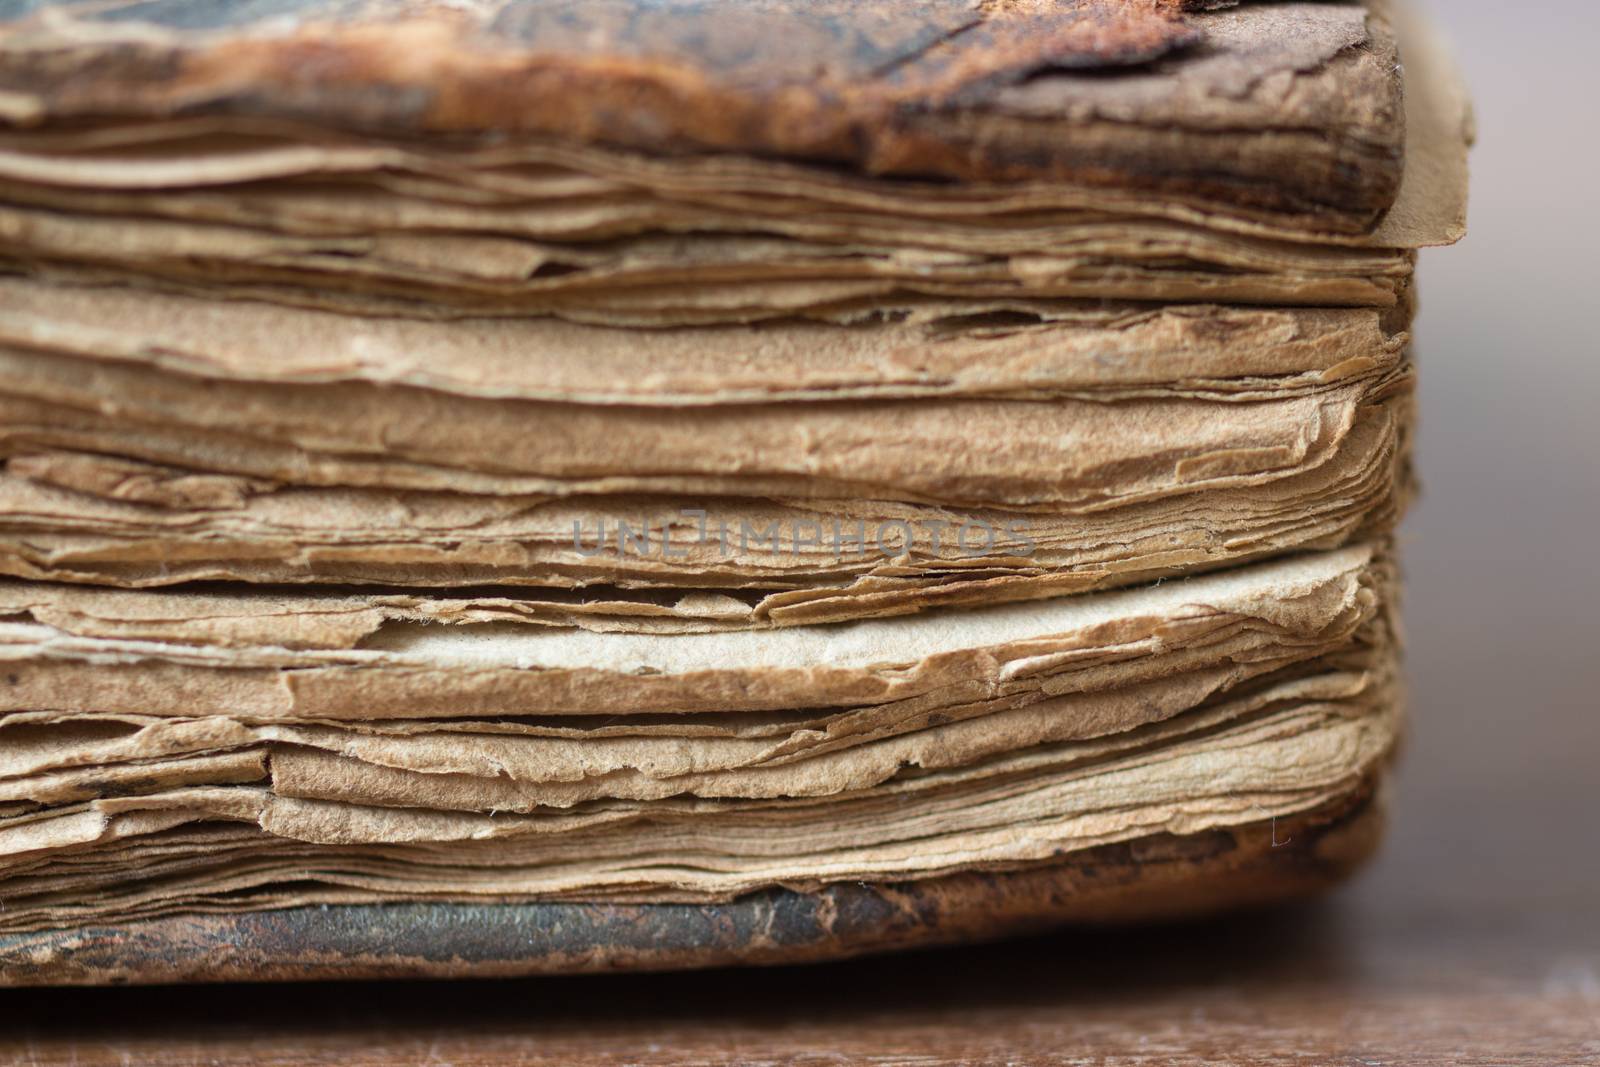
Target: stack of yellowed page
{"points": [[656, 453]]}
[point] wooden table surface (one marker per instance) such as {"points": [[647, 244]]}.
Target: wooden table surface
{"points": [[1474, 939]]}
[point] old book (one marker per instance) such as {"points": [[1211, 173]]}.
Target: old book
{"points": [[708, 456]]}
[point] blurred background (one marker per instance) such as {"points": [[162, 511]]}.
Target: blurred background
{"points": [[1501, 780]]}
